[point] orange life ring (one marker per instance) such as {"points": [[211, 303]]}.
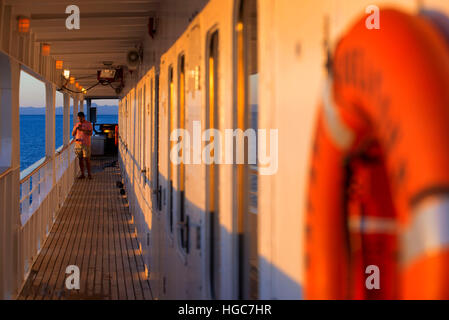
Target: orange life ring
{"points": [[379, 180]]}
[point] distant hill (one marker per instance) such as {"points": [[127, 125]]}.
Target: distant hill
{"points": [[101, 110]]}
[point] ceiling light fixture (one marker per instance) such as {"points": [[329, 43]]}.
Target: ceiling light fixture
{"points": [[23, 24], [59, 64], [46, 49]]}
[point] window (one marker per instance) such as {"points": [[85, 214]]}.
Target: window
{"points": [[156, 142], [171, 127], [247, 174], [152, 127], [122, 127], [32, 120], [128, 121], [212, 169], [138, 121], [181, 167], [144, 132], [135, 127]]}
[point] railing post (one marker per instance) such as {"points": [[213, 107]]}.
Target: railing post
{"points": [[50, 96], [16, 272], [66, 113], [89, 104], [76, 103]]}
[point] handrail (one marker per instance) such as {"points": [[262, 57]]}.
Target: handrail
{"points": [[7, 171], [40, 164], [63, 148], [60, 150], [39, 180], [45, 160], [36, 187]]}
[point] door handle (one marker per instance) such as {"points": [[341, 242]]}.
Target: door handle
{"points": [[185, 226]]}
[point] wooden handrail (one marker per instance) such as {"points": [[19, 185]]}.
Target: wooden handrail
{"points": [[47, 160], [66, 147], [7, 171], [43, 164]]}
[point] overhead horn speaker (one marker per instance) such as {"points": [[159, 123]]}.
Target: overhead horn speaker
{"points": [[133, 59]]}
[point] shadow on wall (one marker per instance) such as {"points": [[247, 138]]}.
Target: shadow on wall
{"points": [[179, 280]]}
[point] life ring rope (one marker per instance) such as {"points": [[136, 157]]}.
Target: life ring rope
{"points": [[428, 231], [342, 135]]}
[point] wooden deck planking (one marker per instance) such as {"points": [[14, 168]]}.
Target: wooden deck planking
{"points": [[120, 276], [95, 278], [130, 249], [60, 228], [57, 274], [87, 236], [125, 258], [93, 232]]}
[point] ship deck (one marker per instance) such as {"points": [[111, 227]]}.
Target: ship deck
{"points": [[94, 231]]}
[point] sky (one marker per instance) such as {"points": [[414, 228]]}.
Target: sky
{"points": [[32, 93]]}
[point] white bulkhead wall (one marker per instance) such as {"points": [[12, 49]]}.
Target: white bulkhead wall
{"points": [[192, 280], [291, 68], [169, 264], [292, 60]]}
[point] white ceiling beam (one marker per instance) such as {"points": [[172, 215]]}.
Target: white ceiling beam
{"points": [[105, 33], [112, 22], [91, 15], [89, 41], [61, 50], [39, 7], [90, 55], [80, 2], [60, 28]]}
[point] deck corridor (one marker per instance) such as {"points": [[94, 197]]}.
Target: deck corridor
{"points": [[93, 231]]}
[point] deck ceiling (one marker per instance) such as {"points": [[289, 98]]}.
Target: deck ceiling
{"points": [[108, 29]]}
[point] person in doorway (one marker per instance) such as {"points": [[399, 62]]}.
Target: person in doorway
{"points": [[82, 132]]}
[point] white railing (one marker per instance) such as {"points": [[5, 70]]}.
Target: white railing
{"points": [[43, 190], [63, 159], [35, 184]]}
